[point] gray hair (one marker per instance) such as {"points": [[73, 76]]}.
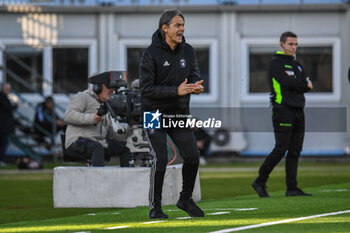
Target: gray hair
{"points": [[166, 18]]}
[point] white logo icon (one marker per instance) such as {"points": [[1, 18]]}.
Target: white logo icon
{"points": [[156, 115], [151, 120], [166, 63]]}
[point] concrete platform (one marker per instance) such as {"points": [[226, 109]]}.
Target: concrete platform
{"points": [[103, 187]]}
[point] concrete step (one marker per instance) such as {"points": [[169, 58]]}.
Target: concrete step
{"points": [[103, 187]]}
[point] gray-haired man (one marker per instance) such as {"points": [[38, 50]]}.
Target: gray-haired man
{"points": [[169, 74]]}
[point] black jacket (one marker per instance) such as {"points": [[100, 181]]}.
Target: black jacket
{"points": [[7, 122], [162, 70], [287, 81], [43, 118]]}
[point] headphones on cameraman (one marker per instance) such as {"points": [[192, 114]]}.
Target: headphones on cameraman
{"points": [[97, 88]]}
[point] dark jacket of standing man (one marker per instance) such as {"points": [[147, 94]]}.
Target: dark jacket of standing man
{"points": [[43, 119], [7, 122], [163, 70], [168, 75], [288, 84]]}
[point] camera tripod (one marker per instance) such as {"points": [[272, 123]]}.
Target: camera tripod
{"points": [[139, 147]]}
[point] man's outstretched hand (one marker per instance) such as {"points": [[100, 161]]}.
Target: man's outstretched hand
{"points": [[187, 88], [198, 87]]}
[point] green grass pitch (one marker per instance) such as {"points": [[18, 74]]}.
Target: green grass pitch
{"points": [[227, 199]]}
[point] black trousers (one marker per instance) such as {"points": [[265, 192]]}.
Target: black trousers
{"points": [[184, 139], [289, 129], [98, 154], [4, 142]]}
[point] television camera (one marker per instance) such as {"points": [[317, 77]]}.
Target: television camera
{"points": [[125, 106]]}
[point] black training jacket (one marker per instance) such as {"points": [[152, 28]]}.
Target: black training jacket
{"points": [[287, 80], [7, 122], [162, 70]]}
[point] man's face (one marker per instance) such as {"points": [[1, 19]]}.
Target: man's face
{"points": [[106, 93], [7, 89], [49, 104], [290, 46], [175, 31]]}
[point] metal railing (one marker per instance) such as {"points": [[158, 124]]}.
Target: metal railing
{"points": [[23, 101], [34, 74]]}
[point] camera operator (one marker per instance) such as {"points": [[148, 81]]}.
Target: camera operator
{"points": [[90, 128]]}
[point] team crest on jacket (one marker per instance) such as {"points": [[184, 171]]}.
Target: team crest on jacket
{"points": [[182, 63]]}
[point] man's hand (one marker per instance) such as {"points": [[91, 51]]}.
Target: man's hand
{"points": [[309, 83], [60, 123], [185, 88], [198, 87], [96, 118]]}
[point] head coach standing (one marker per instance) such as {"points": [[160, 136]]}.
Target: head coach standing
{"points": [[169, 74], [288, 84]]}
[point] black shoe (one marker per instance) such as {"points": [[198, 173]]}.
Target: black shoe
{"points": [[157, 213], [188, 205], [260, 189], [297, 192]]}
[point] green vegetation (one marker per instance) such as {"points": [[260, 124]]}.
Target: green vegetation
{"points": [[26, 204]]}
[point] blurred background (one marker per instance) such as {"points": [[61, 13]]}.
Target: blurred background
{"points": [[51, 47]]}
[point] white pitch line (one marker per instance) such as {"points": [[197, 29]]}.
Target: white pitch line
{"points": [[279, 222], [117, 227], [181, 218], [235, 209], [218, 213], [151, 222], [334, 190], [244, 209]]}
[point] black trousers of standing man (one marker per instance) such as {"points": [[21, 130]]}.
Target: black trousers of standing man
{"points": [[184, 139], [289, 129]]}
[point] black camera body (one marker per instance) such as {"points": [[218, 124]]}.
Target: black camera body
{"points": [[125, 104], [102, 110]]}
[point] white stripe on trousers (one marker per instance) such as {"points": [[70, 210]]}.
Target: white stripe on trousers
{"points": [[153, 172]]}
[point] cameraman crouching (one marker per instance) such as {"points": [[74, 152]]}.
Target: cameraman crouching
{"points": [[90, 127]]}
